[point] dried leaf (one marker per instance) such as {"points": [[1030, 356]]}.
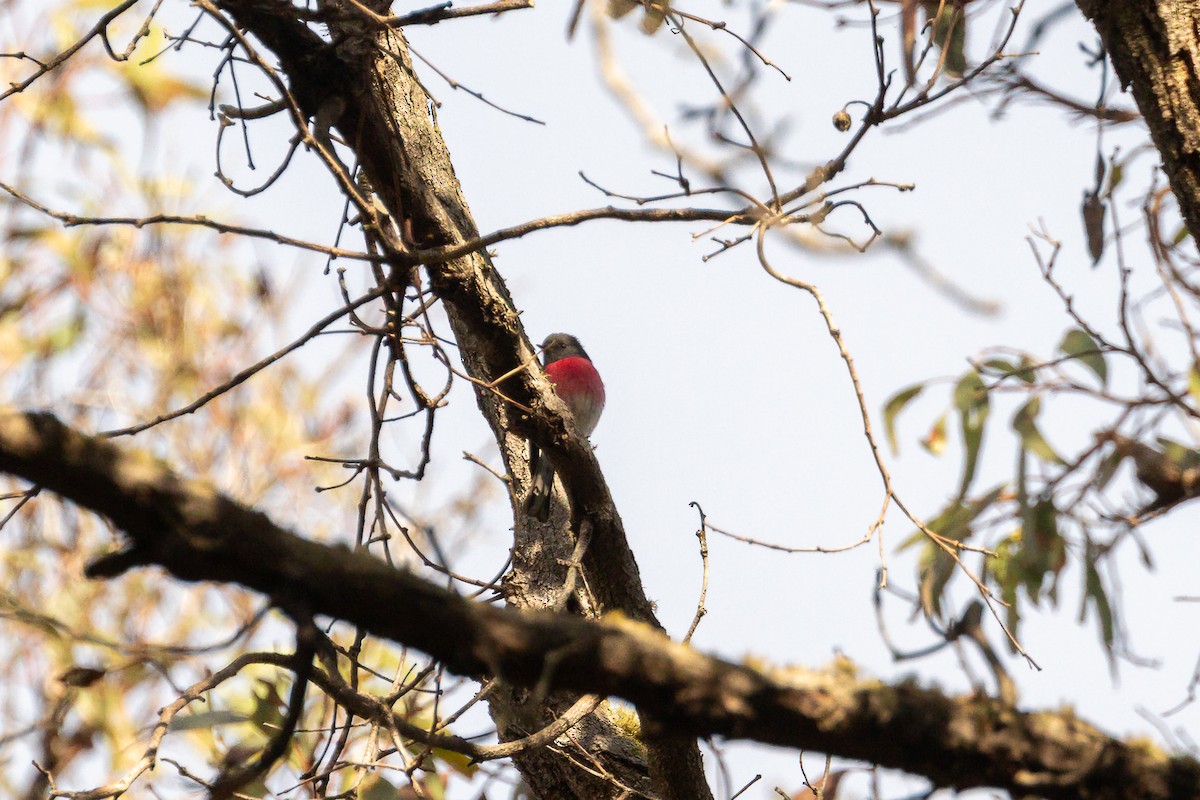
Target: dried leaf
{"points": [[1093, 225], [935, 440]]}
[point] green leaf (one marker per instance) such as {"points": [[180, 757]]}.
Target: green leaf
{"points": [[1025, 514], [1043, 552], [950, 34], [1107, 468], [1031, 438], [206, 719], [1194, 385], [1080, 345], [956, 515], [1003, 566], [1003, 368], [462, 764], [971, 400], [374, 787], [1028, 371], [1180, 454], [63, 336], [985, 501], [269, 706], [892, 409], [970, 392], [1096, 599], [998, 366], [1036, 550], [435, 787], [1094, 213], [935, 567]]}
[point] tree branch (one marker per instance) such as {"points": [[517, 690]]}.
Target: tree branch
{"points": [[383, 113], [197, 533]]}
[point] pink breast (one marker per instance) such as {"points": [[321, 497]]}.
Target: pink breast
{"points": [[578, 384]]}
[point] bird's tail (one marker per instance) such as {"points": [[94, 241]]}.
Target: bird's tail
{"points": [[537, 502]]}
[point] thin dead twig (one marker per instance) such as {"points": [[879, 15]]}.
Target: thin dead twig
{"points": [[198, 220], [949, 546], [254, 369], [702, 536], [440, 12]]}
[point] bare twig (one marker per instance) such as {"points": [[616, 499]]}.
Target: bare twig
{"points": [[947, 545], [49, 66], [574, 565], [72, 220], [444, 11], [702, 535], [254, 369], [453, 84]]}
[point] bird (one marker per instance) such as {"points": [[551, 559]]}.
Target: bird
{"points": [[578, 384]]}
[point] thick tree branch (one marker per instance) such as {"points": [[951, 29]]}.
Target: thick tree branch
{"points": [[199, 534]]}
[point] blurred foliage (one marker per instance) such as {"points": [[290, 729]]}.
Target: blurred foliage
{"points": [[653, 12], [112, 325]]}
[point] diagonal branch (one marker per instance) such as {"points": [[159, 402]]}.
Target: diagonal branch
{"points": [[366, 87]]}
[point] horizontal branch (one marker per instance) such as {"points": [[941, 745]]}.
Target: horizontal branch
{"points": [[967, 741], [746, 216], [196, 220], [437, 255]]}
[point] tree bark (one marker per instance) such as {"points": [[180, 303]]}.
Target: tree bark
{"points": [[1155, 48], [366, 86], [957, 742]]}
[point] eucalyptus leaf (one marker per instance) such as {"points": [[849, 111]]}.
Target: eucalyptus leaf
{"points": [[1031, 438], [971, 400], [206, 719], [892, 410], [1080, 345]]}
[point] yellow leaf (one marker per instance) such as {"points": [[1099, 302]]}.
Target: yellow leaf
{"points": [[935, 440], [154, 88]]}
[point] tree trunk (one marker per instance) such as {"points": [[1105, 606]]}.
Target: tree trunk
{"points": [[1155, 49], [366, 86]]}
